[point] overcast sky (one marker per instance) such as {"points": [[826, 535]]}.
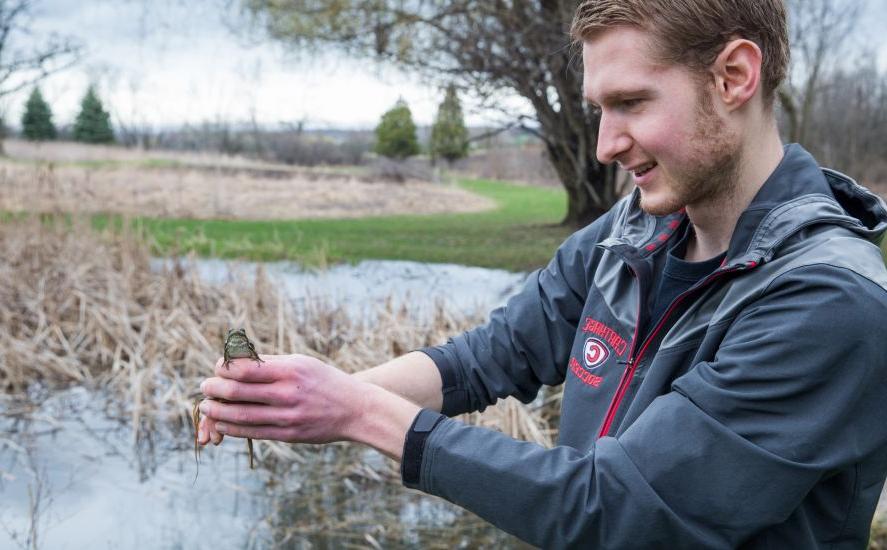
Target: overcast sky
{"points": [[167, 62]]}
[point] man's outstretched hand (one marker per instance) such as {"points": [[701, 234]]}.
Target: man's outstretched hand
{"points": [[299, 399]]}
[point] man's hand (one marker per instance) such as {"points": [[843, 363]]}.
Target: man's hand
{"points": [[292, 398], [299, 399]]}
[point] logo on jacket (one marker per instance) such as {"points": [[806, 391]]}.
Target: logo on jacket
{"points": [[606, 334], [595, 353]]}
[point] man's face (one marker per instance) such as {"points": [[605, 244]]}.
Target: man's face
{"points": [[659, 123]]}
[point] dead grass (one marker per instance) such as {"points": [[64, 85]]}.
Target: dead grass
{"points": [[217, 194], [83, 308], [60, 152], [878, 540]]}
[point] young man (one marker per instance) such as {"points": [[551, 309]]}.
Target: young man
{"points": [[720, 333]]}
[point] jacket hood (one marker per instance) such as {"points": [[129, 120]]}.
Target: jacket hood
{"points": [[799, 194]]}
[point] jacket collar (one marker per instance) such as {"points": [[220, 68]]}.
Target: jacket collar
{"points": [[796, 195]]}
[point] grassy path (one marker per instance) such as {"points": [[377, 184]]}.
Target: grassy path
{"points": [[521, 234]]}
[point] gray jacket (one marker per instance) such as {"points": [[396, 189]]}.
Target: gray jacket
{"points": [[753, 414]]}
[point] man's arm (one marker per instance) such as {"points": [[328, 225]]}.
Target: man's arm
{"points": [[525, 344], [795, 392], [412, 376]]}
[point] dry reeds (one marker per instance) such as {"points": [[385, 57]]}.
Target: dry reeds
{"points": [[204, 192], [878, 538], [79, 307]]}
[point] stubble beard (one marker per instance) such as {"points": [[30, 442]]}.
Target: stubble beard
{"points": [[711, 172]]}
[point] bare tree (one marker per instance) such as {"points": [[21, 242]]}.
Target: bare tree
{"points": [[847, 128], [23, 67], [820, 30], [484, 45]]}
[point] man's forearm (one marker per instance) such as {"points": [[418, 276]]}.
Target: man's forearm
{"points": [[413, 376], [384, 422]]}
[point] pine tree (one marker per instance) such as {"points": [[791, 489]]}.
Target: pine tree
{"points": [[396, 133], [449, 137], [37, 118], [93, 123]]}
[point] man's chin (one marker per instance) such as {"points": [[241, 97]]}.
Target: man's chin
{"points": [[656, 206]]}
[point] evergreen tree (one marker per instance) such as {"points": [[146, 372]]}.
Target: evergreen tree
{"points": [[396, 133], [449, 137], [93, 124], [37, 118]]}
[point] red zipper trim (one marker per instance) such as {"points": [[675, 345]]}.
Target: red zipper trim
{"points": [[628, 374]]}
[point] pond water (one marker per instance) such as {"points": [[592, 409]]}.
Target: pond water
{"points": [[362, 288], [71, 475]]}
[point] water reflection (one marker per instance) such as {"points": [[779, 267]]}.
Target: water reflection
{"points": [[363, 288], [72, 477], [356, 510]]}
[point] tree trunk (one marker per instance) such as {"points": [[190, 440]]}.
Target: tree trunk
{"points": [[590, 191], [580, 210], [787, 100]]}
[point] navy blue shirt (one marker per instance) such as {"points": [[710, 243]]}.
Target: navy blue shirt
{"points": [[679, 275]]}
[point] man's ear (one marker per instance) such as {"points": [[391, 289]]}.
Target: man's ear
{"points": [[737, 73]]}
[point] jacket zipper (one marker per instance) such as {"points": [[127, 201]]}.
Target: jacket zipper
{"points": [[626, 374], [633, 359]]}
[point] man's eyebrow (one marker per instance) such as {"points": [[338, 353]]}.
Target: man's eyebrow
{"points": [[614, 96]]}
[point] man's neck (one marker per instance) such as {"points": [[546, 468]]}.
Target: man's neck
{"points": [[715, 219]]}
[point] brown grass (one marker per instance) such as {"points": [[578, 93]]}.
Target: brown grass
{"points": [[84, 308], [71, 152], [204, 193], [80, 308], [878, 540]]}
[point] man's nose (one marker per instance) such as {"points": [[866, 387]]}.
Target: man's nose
{"points": [[612, 140]]}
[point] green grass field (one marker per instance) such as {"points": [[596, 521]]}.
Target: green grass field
{"points": [[521, 234]]}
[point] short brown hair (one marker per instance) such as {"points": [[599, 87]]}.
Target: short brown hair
{"points": [[693, 32]]}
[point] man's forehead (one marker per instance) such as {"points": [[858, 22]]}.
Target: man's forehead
{"points": [[618, 61]]}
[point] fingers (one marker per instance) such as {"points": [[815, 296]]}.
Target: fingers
{"points": [[208, 432], [245, 413], [276, 433], [234, 390], [269, 369], [202, 433]]}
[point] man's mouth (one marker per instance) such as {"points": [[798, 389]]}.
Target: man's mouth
{"points": [[643, 169]]}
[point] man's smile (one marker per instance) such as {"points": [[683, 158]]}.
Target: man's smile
{"points": [[643, 172]]}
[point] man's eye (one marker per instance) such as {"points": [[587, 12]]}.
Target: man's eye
{"points": [[595, 110], [631, 103]]}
